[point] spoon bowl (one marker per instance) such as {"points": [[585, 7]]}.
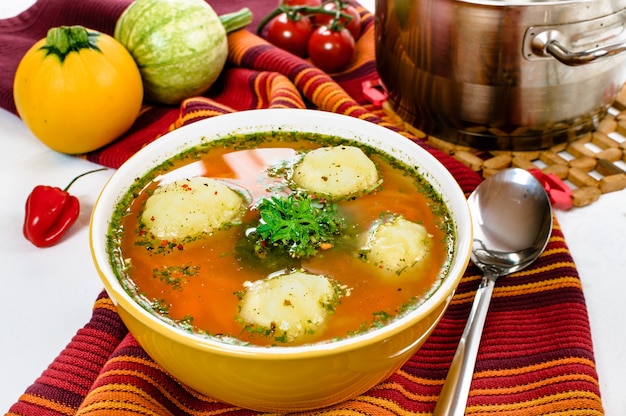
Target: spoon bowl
{"points": [[512, 222]]}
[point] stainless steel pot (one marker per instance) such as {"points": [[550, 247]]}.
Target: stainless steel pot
{"points": [[502, 74]]}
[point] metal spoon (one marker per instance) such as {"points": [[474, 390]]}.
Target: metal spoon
{"points": [[512, 220]]}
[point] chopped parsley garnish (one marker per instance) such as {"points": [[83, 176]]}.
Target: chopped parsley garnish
{"points": [[175, 275], [298, 223]]}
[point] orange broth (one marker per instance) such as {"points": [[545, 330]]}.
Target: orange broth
{"points": [[194, 283]]}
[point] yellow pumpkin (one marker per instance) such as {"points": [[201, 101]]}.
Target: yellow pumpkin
{"points": [[78, 89]]}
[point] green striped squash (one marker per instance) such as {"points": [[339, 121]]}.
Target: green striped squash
{"points": [[179, 46]]}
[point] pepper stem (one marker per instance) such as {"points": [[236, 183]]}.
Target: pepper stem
{"points": [[63, 40], [80, 176]]}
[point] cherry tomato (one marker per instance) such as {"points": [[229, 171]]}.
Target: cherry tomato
{"points": [[290, 34], [354, 26], [331, 50], [312, 3]]}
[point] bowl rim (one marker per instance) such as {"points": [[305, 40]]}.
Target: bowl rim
{"points": [[301, 120]]}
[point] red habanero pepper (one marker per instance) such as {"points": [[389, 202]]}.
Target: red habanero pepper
{"points": [[50, 211]]}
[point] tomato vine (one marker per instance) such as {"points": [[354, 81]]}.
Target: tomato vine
{"points": [[325, 32]]}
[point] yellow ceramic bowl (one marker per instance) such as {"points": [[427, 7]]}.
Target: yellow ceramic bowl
{"points": [[282, 378]]}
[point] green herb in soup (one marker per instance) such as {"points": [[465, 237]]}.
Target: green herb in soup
{"points": [[281, 238], [297, 225]]}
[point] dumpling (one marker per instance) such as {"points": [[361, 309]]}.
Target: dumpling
{"points": [[397, 244], [336, 171], [189, 207], [288, 307]]}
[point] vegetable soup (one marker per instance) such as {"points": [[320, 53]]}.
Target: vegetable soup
{"points": [[209, 280]]}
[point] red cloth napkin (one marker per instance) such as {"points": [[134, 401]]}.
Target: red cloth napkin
{"points": [[536, 356]]}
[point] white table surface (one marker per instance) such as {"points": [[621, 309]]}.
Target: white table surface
{"points": [[46, 295]]}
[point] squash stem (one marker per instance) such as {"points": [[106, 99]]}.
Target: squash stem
{"points": [[236, 20], [63, 40]]}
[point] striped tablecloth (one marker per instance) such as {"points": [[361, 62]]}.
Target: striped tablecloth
{"points": [[536, 356]]}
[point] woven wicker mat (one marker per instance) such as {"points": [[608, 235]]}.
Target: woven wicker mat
{"points": [[591, 165]]}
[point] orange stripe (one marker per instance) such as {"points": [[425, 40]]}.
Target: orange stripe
{"points": [[399, 388], [147, 378], [316, 75], [511, 291], [47, 404], [291, 103], [566, 403], [337, 101], [355, 109], [262, 89], [239, 42], [525, 289], [534, 368], [378, 406], [360, 406], [104, 303], [121, 399], [419, 380], [137, 360], [198, 114], [318, 95], [555, 250], [282, 89], [116, 396], [532, 385]]}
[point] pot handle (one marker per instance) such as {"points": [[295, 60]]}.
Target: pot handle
{"points": [[546, 44]]}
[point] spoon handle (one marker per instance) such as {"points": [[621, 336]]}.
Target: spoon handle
{"points": [[453, 396]]}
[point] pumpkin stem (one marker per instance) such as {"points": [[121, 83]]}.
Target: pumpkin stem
{"points": [[236, 20], [63, 40]]}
